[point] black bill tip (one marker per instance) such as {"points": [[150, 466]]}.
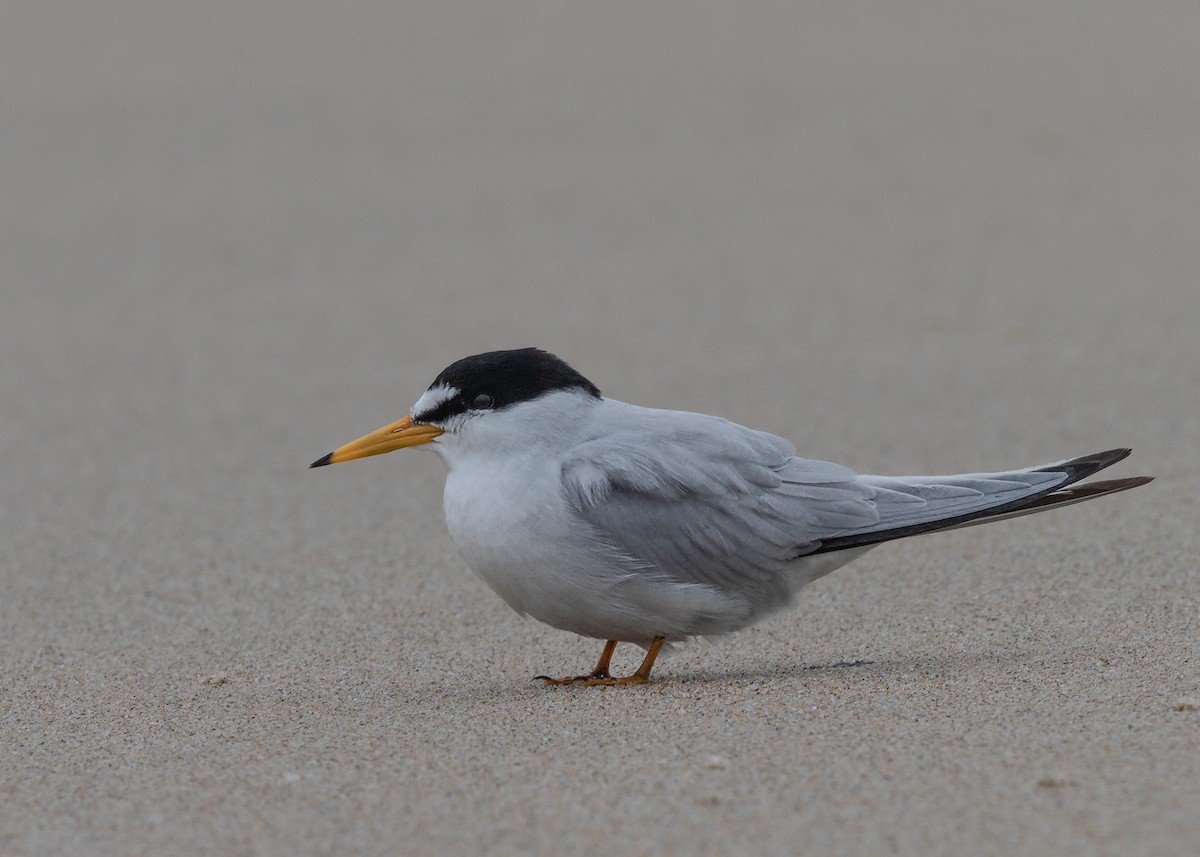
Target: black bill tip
{"points": [[322, 461]]}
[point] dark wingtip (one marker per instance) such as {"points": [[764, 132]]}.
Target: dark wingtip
{"points": [[322, 461], [1086, 465]]}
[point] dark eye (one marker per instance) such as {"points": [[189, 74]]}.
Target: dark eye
{"points": [[481, 402]]}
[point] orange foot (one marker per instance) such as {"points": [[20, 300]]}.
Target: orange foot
{"points": [[600, 672], [600, 675], [590, 678], [605, 681]]}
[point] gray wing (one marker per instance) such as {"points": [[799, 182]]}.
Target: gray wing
{"points": [[707, 501]]}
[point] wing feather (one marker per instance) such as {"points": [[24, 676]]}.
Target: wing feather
{"points": [[709, 502], [913, 500], [705, 501]]}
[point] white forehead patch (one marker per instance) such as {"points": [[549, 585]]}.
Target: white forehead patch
{"points": [[433, 397]]}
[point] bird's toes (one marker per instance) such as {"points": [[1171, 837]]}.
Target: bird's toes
{"points": [[607, 681], [571, 679]]}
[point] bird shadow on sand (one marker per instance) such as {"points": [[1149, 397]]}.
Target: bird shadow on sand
{"points": [[765, 672], [924, 664], [508, 687]]}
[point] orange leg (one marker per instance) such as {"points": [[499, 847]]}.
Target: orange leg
{"points": [[642, 676], [600, 672]]}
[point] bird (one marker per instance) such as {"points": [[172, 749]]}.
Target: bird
{"points": [[645, 526]]}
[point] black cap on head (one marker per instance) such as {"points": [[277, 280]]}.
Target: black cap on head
{"points": [[505, 378]]}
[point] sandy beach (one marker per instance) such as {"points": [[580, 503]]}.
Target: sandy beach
{"points": [[915, 239]]}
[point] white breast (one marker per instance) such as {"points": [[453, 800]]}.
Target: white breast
{"points": [[514, 530], [507, 514]]}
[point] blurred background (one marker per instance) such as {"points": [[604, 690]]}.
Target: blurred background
{"points": [[698, 205], [909, 237]]}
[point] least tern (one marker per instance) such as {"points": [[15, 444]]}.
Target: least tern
{"points": [[645, 526]]}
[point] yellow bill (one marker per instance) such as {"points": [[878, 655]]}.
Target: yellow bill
{"points": [[387, 439]]}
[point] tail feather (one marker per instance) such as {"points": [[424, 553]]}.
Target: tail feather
{"points": [[1058, 493], [1062, 497]]}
